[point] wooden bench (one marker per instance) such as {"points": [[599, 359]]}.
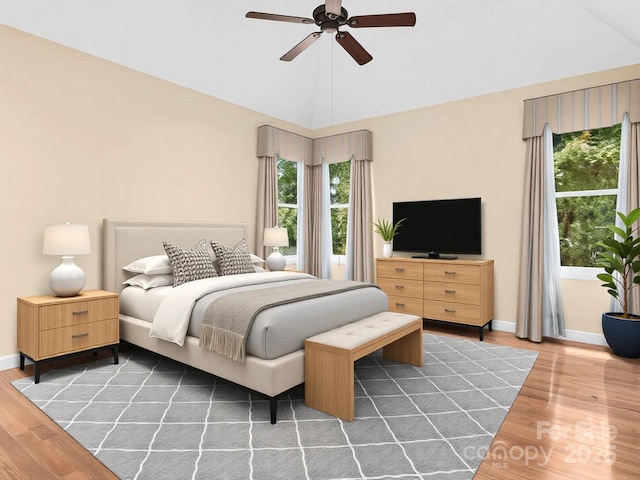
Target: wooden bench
{"points": [[329, 357]]}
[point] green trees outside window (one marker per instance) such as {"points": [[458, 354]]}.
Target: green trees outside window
{"points": [[288, 208], [288, 202], [586, 177], [339, 181]]}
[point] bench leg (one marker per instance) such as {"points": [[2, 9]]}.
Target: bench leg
{"points": [[407, 349], [328, 382]]}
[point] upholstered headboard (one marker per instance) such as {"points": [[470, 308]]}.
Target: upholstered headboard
{"points": [[124, 241]]}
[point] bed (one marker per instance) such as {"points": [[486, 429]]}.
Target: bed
{"points": [[273, 363]]}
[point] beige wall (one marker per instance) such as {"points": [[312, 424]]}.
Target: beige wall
{"points": [[474, 148], [82, 139]]}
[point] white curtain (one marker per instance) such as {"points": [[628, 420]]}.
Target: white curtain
{"points": [[623, 188], [552, 313]]}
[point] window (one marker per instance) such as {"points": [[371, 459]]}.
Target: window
{"points": [[288, 206], [586, 179], [339, 185], [288, 202]]}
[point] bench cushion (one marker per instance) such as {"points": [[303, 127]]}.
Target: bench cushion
{"points": [[363, 331]]}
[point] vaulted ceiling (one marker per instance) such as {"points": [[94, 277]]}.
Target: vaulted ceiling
{"points": [[457, 49]]}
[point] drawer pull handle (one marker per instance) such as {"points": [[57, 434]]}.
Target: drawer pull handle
{"points": [[448, 272], [399, 269], [400, 286], [80, 335], [449, 291], [80, 312], [450, 310], [399, 304]]}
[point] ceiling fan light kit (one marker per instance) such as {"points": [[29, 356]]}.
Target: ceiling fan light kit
{"points": [[330, 16]]}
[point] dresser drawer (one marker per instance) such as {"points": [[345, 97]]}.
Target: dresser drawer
{"points": [[452, 312], [452, 292], [77, 338], [401, 287], [408, 305], [74, 313], [406, 270], [450, 272]]}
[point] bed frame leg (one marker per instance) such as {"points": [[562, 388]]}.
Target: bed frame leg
{"points": [[273, 407]]}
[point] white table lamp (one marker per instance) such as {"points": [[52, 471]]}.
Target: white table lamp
{"points": [[276, 237], [66, 240]]}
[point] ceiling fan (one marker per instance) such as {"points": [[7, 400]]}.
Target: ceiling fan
{"points": [[330, 17]]}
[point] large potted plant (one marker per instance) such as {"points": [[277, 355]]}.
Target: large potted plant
{"points": [[387, 230], [620, 259]]}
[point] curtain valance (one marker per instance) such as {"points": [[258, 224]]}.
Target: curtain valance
{"points": [[333, 149], [345, 146], [582, 109], [293, 147]]}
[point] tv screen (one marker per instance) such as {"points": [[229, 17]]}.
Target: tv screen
{"points": [[434, 227]]}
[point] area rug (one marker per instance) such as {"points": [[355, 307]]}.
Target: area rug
{"points": [[152, 418]]}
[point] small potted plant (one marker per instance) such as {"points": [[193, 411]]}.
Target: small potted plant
{"points": [[620, 259], [387, 230]]}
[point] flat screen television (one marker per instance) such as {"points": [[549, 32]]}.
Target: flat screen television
{"points": [[439, 228]]}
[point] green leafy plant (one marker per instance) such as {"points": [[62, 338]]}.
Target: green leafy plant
{"points": [[386, 229], [621, 255]]}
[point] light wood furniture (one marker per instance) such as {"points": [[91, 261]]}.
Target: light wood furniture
{"points": [[50, 327], [458, 291], [330, 356]]}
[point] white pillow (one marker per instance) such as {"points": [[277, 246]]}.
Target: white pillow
{"points": [[256, 259], [150, 281], [153, 265]]}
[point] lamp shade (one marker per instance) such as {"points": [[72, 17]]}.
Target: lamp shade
{"points": [[276, 237], [66, 239]]}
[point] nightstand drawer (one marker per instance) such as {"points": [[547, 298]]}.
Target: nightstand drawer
{"points": [[74, 313], [77, 338]]}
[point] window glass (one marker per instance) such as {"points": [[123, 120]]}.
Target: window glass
{"points": [[288, 202], [586, 179], [339, 178]]}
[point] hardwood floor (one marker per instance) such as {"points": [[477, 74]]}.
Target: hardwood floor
{"points": [[577, 416]]}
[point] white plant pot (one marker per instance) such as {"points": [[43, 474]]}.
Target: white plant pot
{"points": [[387, 250]]}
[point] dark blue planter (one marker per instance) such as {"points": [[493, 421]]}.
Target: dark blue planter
{"points": [[623, 335]]}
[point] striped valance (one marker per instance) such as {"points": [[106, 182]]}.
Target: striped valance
{"points": [[582, 109], [273, 141], [346, 146]]}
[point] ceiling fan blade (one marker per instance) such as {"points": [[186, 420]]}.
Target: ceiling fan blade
{"points": [[353, 48], [300, 47], [279, 18], [333, 8], [407, 19]]}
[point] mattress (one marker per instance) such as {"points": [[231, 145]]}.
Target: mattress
{"points": [[276, 331]]}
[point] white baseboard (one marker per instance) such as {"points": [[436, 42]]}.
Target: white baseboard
{"points": [[12, 361], [572, 335]]}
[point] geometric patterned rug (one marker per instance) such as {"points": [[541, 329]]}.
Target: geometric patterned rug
{"points": [[150, 417]]}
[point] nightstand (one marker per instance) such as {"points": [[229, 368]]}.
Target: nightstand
{"points": [[51, 327]]}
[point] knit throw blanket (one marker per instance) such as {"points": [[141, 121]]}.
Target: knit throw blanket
{"points": [[228, 319]]}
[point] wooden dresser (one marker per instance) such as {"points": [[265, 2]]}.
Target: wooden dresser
{"points": [[458, 291]]}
